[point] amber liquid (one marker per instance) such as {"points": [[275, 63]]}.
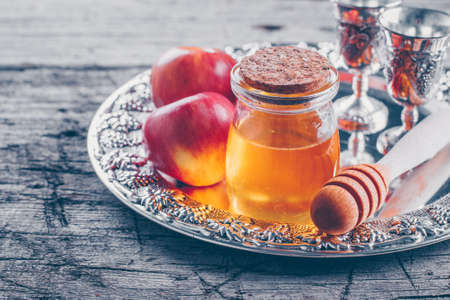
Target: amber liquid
{"points": [[273, 174]]}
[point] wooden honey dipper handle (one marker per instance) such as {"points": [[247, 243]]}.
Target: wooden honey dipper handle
{"points": [[418, 145], [357, 192]]}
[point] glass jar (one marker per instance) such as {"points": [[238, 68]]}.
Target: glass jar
{"points": [[281, 149]]}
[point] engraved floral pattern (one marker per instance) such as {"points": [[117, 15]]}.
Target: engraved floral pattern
{"points": [[119, 158]]}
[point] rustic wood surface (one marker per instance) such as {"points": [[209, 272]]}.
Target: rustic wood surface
{"points": [[63, 234]]}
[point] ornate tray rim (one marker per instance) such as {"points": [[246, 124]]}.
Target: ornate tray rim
{"points": [[406, 238]]}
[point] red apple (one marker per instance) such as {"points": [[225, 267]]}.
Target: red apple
{"points": [[187, 139], [186, 71]]}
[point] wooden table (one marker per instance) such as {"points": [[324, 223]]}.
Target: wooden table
{"points": [[63, 234]]}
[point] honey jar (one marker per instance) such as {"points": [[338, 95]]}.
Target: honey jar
{"points": [[283, 144]]}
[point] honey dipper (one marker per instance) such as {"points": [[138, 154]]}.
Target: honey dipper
{"points": [[357, 192]]}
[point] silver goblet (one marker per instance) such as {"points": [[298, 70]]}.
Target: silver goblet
{"points": [[358, 113], [415, 41]]}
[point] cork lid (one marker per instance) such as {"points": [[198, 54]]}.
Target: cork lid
{"points": [[285, 70]]}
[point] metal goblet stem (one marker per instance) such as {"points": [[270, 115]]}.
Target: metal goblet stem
{"points": [[413, 55], [359, 114]]}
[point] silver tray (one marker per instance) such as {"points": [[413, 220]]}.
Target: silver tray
{"points": [[118, 156]]}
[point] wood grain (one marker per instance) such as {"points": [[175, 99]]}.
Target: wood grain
{"points": [[135, 32], [64, 235]]}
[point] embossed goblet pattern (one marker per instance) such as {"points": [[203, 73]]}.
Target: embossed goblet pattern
{"points": [[413, 52]]}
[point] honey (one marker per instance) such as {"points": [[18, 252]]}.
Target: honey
{"points": [[283, 144], [274, 174]]}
